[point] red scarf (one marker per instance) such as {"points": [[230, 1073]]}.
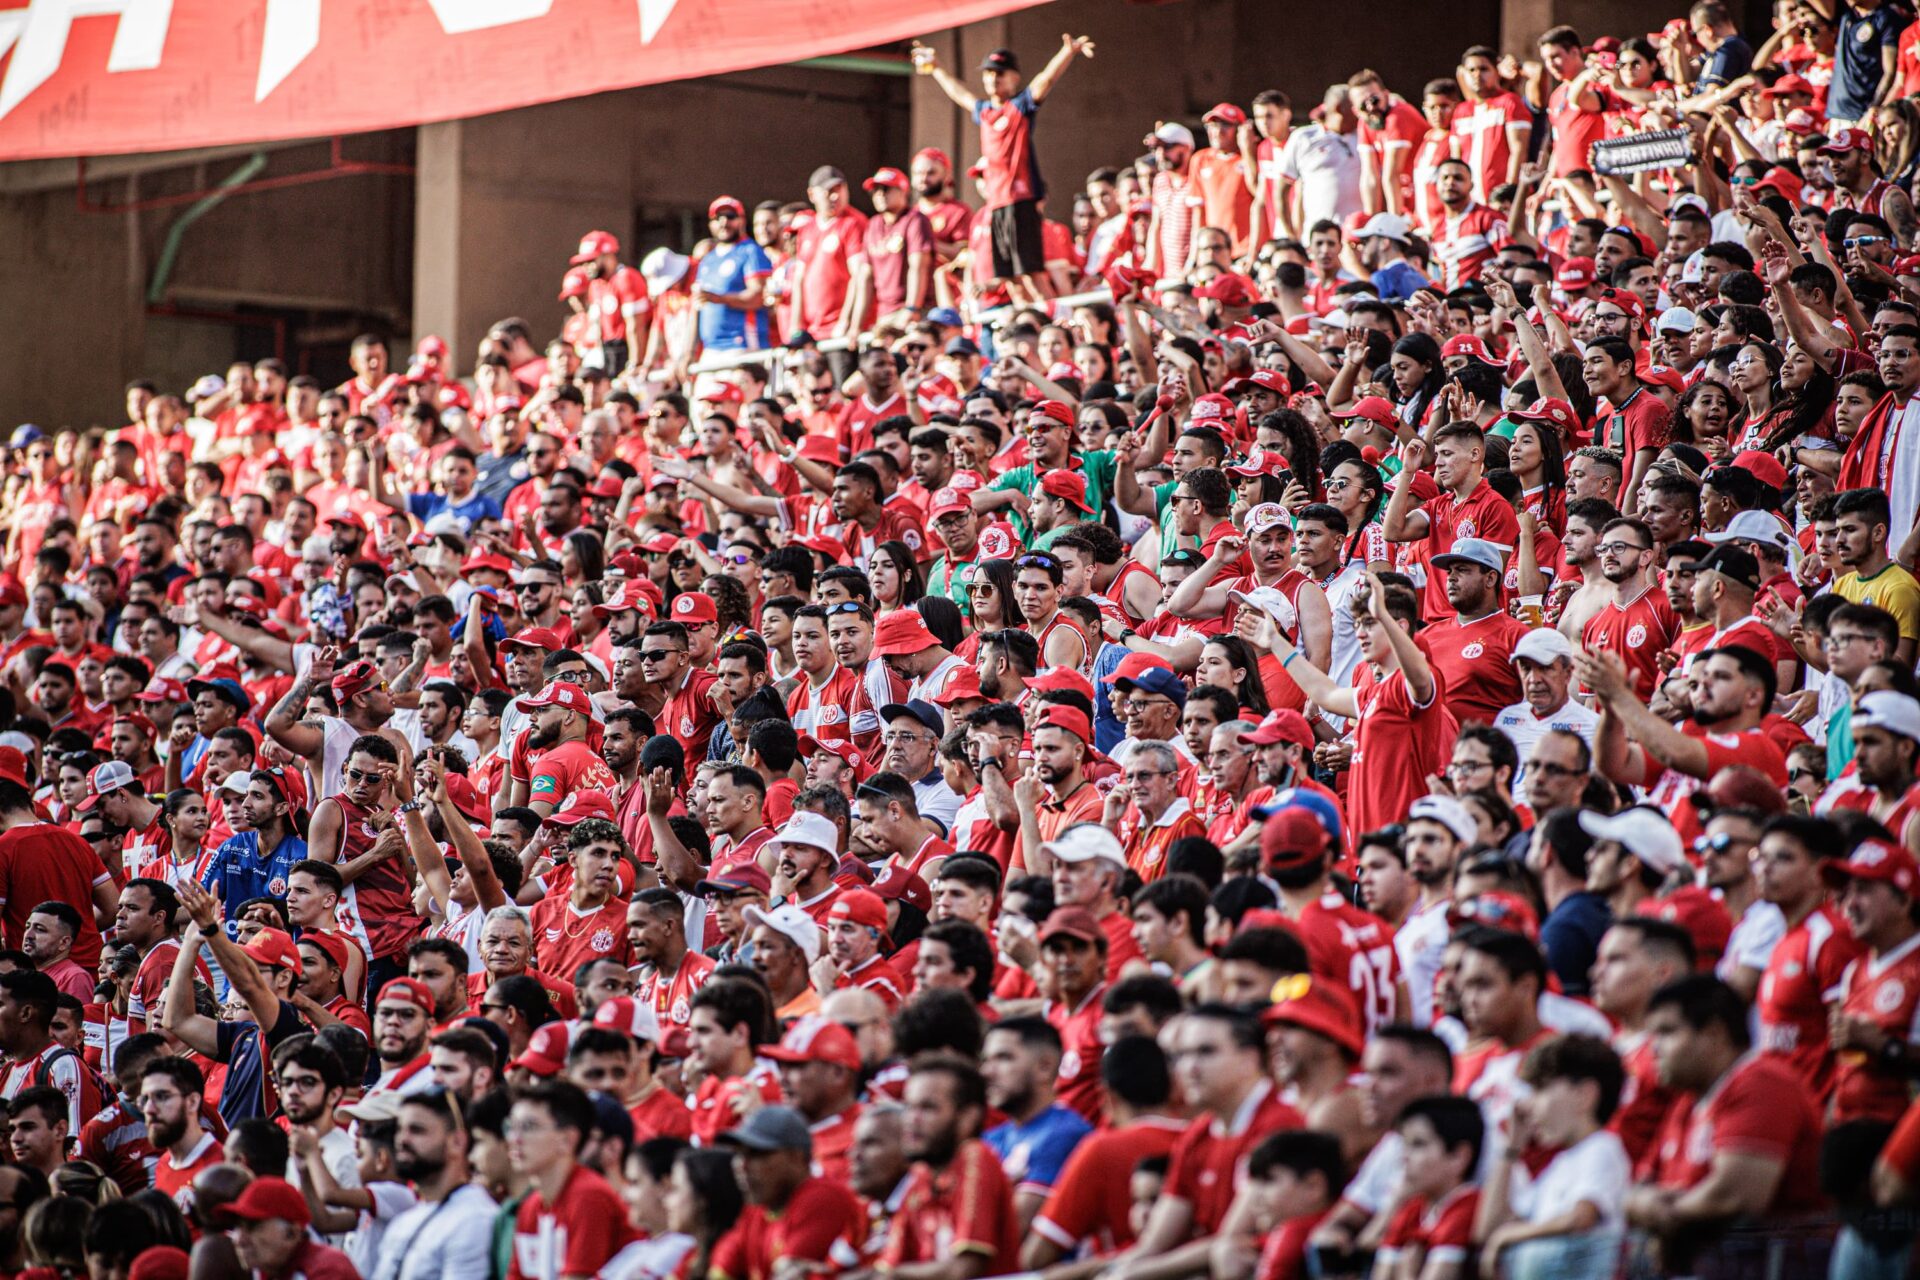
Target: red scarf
{"points": [[1860, 466]]}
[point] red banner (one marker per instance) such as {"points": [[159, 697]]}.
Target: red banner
{"points": [[89, 77]]}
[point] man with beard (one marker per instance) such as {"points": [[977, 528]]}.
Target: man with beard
{"points": [[156, 550], [932, 177], [1056, 793], [1886, 751], [1282, 746], [1637, 624], [171, 1090], [670, 970], [1007, 660], [366, 705], [1733, 692], [1873, 1029], [1439, 830], [311, 1082], [562, 718], [1471, 649], [450, 1232], [1020, 1061], [402, 1025], [956, 1219]]}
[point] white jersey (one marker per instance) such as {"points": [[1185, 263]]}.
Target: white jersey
{"points": [[1523, 728]]}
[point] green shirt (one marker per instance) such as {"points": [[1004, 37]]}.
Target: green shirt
{"points": [[1099, 467], [944, 580]]}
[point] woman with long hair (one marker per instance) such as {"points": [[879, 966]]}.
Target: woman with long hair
{"points": [[187, 821], [1756, 378], [990, 603], [582, 557], [587, 625], [1704, 417], [1229, 662], [1537, 457], [1806, 400], [895, 577], [1417, 375], [1357, 492], [703, 1200], [55, 1232]]}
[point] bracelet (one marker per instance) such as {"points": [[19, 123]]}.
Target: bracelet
{"points": [[1288, 660]]}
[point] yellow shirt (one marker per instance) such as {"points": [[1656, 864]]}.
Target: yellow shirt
{"points": [[1892, 589]]}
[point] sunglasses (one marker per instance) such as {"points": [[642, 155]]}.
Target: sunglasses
{"points": [[845, 606], [658, 655]]}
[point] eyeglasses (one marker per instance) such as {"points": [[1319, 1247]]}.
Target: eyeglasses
{"points": [[1461, 768], [903, 735], [1794, 775], [526, 1128], [1618, 548], [1186, 497], [1855, 242], [1837, 638], [1715, 844]]}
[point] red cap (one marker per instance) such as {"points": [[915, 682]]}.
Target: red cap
{"points": [[492, 561], [1875, 860], [1260, 462], [544, 638], [1377, 410], [1315, 1005], [887, 176], [353, 680], [901, 632], [334, 945], [11, 591], [1072, 719], [581, 805], [162, 1262], [1467, 344], [1069, 485], [899, 884], [629, 1017], [1847, 139], [1575, 273], [694, 608], [962, 686], [1497, 909], [13, 766], [593, 244], [935, 153], [1764, 467], [409, 991], [472, 805], [860, 906], [274, 949], [841, 749], [546, 1053], [947, 501], [625, 600], [816, 1039], [1135, 665], [1662, 375], [1292, 837], [1060, 680], [816, 448], [269, 1198], [139, 722], [606, 487], [559, 693], [1284, 725], [1551, 410], [1056, 410], [726, 204], [1229, 289], [1226, 113], [1271, 379], [1072, 922], [1787, 86], [724, 393], [574, 283], [1704, 917]]}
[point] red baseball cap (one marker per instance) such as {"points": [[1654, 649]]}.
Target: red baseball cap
{"points": [[581, 805], [726, 204], [1875, 860], [559, 693], [947, 501], [962, 686], [887, 176], [1270, 379], [13, 766], [901, 632], [1787, 86], [1292, 837], [723, 393], [1551, 410], [492, 562], [544, 638], [164, 689], [1847, 139], [1764, 467], [1662, 375], [1226, 113], [1575, 273], [1260, 462], [1054, 409], [629, 1017], [1135, 665], [269, 1198], [694, 608], [840, 749], [1071, 719], [813, 1038], [1377, 410], [593, 244], [861, 907], [274, 949], [1058, 680], [1497, 909], [333, 945], [12, 593], [353, 680], [1072, 922], [1467, 344], [896, 883], [1068, 485], [408, 991], [546, 1053], [1315, 1005], [1704, 917], [1284, 725]]}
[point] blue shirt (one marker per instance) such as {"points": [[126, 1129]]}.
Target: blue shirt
{"points": [[1733, 59], [239, 872], [1571, 936], [1857, 66], [1398, 281], [1034, 1153], [501, 474], [476, 506], [727, 268]]}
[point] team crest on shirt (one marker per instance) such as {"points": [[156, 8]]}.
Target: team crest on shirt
{"points": [[830, 241], [686, 726], [1636, 636], [601, 941], [277, 887], [1888, 997], [896, 244], [1473, 650], [1700, 1142], [680, 1012], [1069, 1064], [830, 714], [1466, 528]]}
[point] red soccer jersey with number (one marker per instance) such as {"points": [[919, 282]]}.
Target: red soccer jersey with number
{"points": [[1758, 1108], [1638, 633], [1803, 975], [1883, 990], [1477, 660], [1206, 1159], [1353, 948]]}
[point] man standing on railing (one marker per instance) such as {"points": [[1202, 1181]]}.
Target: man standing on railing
{"points": [[1012, 179]]}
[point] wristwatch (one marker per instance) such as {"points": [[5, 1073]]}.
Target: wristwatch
{"points": [[411, 806]]}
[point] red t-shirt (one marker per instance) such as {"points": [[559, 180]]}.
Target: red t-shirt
{"points": [[564, 939], [1442, 1232], [1638, 633], [1078, 1080], [585, 1226], [887, 246], [1482, 130], [661, 1114], [966, 1207], [609, 299], [672, 1000], [1397, 743], [177, 1180], [1477, 660], [1353, 948], [826, 252], [1884, 990], [1400, 132], [1759, 1108], [690, 714], [40, 863], [569, 768], [712, 1103], [1574, 132], [1642, 421], [820, 1215], [1807, 966], [1206, 1161], [1006, 149], [1483, 513], [1091, 1200]]}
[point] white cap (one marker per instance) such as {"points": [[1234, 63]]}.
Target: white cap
{"points": [[663, 268], [1676, 320], [1695, 269], [1762, 527], [1544, 645], [236, 782], [211, 384], [1173, 133], [1643, 832], [1895, 712], [1085, 841], [1449, 813], [1389, 226], [810, 829], [1269, 600], [1334, 319], [1687, 201], [791, 923]]}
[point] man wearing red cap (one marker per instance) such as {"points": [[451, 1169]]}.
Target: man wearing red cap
{"points": [[856, 931], [403, 1022], [1055, 793], [1223, 182], [617, 299], [1876, 1031], [893, 276], [1346, 946], [901, 638], [366, 705], [729, 285], [565, 764]]}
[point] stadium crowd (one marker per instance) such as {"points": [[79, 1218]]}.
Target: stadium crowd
{"points": [[1348, 710]]}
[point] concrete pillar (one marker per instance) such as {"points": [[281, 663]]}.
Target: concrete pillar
{"points": [[1522, 21]]}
